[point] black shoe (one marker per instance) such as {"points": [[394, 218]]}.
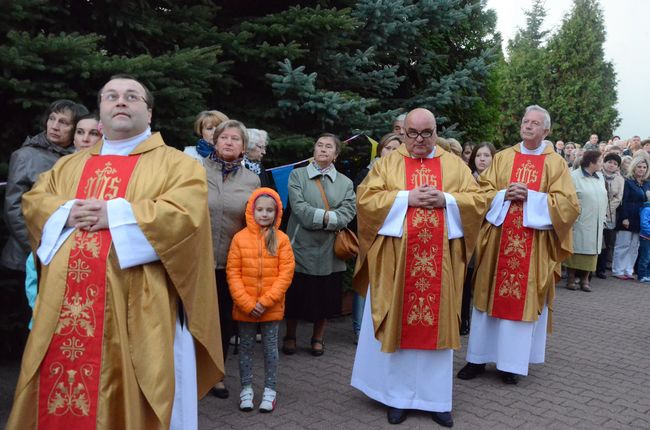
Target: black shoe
{"points": [[601, 275], [443, 418], [221, 393], [396, 416], [286, 349], [471, 371], [509, 378]]}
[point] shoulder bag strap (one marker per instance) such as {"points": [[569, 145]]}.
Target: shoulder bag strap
{"points": [[322, 193]]}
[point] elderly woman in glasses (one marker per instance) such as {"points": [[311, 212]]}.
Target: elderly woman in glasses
{"points": [[255, 151]]}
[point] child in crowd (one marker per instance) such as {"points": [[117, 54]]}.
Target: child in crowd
{"points": [[643, 269], [260, 269]]}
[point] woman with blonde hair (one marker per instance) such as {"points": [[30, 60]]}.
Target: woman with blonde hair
{"points": [[626, 248], [205, 124]]}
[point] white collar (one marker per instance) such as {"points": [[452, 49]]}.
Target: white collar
{"points": [[124, 146], [536, 151]]}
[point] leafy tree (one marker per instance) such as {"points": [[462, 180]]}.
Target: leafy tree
{"points": [[580, 85], [522, 73]]}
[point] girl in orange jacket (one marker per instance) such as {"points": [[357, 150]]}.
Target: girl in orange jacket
{"points": [[260, 268]]}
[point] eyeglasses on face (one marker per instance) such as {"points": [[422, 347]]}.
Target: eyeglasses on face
{"points": [[112, 97], [424, 134]]}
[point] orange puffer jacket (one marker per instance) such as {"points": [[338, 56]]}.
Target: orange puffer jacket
{"points": [[253, 274]]}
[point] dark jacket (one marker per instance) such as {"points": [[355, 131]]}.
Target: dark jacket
{"points": [[633, 199], [33, 158]]}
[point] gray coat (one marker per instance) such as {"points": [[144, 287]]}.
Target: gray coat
{"points": [[33, 158], [313, 243]]}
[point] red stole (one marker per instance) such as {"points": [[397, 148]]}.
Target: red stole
{"points": [[423, 272], [70, 372], [516, 245]]}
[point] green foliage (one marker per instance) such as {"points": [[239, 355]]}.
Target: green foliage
{"points": [[568, 76], [580, 84], [295, 68]]}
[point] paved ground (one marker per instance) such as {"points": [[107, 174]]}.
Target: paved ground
{"points": [[596, 376]]}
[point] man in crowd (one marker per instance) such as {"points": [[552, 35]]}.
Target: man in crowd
{"points": [[559, 147], [527, 235], [593, 139], [398, 125], [419, 212], [121, 332]]}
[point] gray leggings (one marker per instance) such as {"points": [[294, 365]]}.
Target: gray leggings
{"points": [[247, 332]]}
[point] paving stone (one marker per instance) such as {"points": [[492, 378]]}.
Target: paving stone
{"points": [[595, 376]]}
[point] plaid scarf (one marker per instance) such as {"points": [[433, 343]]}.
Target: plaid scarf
{"points": [[324, 170], [227, 167]]}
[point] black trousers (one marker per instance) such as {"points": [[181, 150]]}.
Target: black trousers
{"points": [[225, 311], [609, 239], [465, 310], [14, 314]]}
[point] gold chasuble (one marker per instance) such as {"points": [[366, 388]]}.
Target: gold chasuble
{"points": [[392, 266], [517, 267], [125, 379]]}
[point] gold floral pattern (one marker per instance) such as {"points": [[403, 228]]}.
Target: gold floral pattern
{"points": [[421, 312], [511, 285], [70, 394], [87, 244], [424, 262], [77, 314]]}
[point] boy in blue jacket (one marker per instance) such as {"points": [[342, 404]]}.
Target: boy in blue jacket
{"points": [[643, 270]]}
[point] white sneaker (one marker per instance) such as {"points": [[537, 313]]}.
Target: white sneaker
{"points": [[268, 400], [246, 399]]}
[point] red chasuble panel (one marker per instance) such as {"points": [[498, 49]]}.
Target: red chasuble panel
{"points": [[70, 372], [423, 272], [516, 245]]}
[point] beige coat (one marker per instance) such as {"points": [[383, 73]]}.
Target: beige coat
{"points": [[614, 189], [227, 203]]}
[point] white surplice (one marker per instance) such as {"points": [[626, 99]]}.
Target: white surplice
{"points": [[133, 249], [406, 378], [512, 345]]}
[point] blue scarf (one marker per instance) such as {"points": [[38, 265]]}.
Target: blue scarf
{"points": [[204, 148]]}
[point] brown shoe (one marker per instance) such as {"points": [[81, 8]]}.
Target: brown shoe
{"points": [[585, 287], [571, 280]]}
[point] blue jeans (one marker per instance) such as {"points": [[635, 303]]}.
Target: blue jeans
{"points": [[643, 269], [358, 303]]}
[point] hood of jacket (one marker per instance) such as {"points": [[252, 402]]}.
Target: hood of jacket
{"points": [[250, 217], [40, 141]]}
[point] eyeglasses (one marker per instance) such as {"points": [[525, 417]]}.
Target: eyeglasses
{"points": [[112, 97], [424, 134]]}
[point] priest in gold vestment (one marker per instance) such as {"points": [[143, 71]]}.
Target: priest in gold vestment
{"points": [[126, 328], [419, 213], [526, 236]]}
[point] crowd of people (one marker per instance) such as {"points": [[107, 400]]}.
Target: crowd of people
{"points": [[150, 264]]}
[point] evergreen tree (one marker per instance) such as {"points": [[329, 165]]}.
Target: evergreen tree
{"points": [[68, 49], [580, 85], [522, 73]]}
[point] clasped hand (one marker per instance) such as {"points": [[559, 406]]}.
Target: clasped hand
{"points": [[517, 192], [426, 196], [89, 215], [258, 310]]}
